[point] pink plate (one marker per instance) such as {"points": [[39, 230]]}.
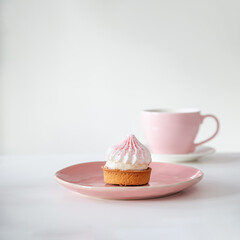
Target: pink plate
{"points": [[166, 179]]}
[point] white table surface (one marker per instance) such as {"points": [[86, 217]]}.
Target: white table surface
{"points": [[34, 206]]}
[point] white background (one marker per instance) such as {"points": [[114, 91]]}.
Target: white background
{"points": [[76, 74]]}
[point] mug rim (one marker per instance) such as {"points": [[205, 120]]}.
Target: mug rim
{"points": [[171, 110]]}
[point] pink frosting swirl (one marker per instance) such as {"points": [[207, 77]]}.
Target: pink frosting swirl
{"points": [[130, 151]]}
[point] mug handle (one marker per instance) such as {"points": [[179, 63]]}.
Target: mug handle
{"points": [[216, 132]]}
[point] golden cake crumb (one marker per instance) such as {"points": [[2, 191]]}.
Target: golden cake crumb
{"points": [[126, 178]]}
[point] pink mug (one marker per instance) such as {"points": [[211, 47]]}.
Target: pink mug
{"points": [[173, 131]]}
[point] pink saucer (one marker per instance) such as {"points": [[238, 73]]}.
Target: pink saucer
{"points": [[166, 179]]}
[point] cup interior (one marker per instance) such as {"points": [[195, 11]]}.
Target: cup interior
{"points": [[171, 110]]}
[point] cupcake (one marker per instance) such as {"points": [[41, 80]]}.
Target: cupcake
{"points": [[128, 163]]}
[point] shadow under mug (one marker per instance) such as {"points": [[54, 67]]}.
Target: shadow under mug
{"points": [[173, 131]]}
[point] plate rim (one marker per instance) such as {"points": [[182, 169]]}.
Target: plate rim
{"points": [[121, 188]]}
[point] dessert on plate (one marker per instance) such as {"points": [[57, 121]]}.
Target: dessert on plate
{"points": [[128, 163]]}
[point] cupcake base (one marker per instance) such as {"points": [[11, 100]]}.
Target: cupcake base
{"points": [[126, 178]]}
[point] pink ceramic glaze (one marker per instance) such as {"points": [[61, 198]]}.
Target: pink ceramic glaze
{"points": [[173, 131], [166, 179]]}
